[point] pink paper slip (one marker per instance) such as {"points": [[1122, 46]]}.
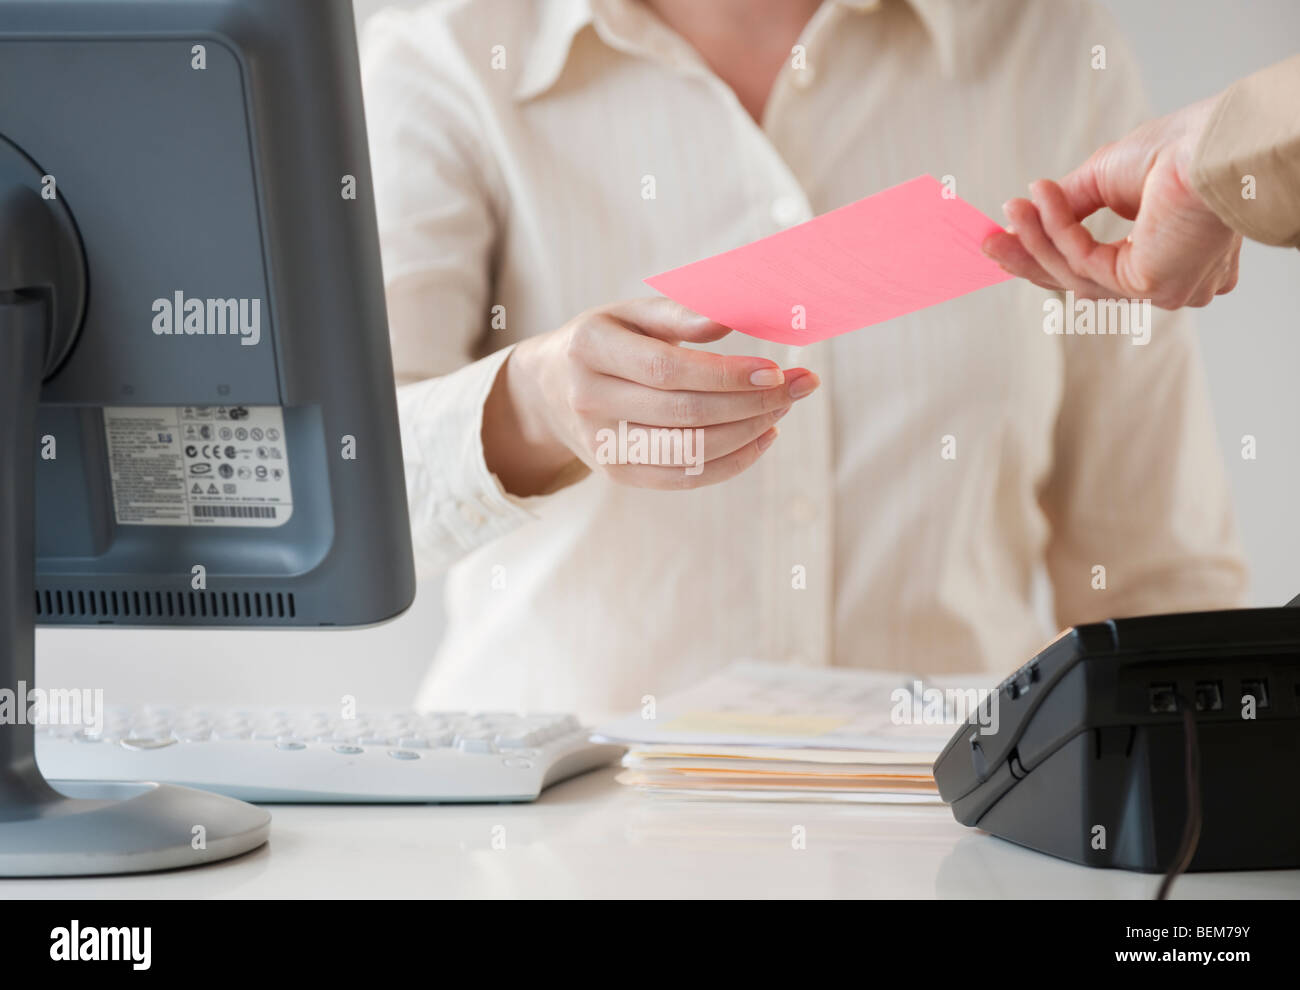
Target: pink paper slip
{"points": [[892, 253]]}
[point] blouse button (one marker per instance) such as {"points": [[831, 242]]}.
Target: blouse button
{"points": [[786, 210], [471, 515]]}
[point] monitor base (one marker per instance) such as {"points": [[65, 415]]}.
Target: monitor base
{"points": [[95, 828], [80, 827]]}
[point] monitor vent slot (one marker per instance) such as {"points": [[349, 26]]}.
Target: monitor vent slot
{"points": [[161, 606]]}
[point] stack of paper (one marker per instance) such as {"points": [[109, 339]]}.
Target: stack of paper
{"points": [[771, 732]]}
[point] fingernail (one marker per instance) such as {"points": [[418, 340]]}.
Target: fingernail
{"points": [[766, 439], [782, 413], [803, 385], [767, 377]]}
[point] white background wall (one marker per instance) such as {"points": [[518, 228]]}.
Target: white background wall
{"points": [[1188, 49]]}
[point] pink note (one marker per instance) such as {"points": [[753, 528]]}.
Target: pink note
{"points": [[892, 253]]}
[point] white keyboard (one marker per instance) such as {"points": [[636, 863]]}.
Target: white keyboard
{"points": [[304, 756]]}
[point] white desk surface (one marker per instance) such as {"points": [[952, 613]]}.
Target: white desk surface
{"points": [[592, 837]]}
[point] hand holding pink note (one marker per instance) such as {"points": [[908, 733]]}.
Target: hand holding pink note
{"points": [[892, 253]]}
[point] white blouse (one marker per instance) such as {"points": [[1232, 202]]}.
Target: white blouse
{"points": [[511, 144]]}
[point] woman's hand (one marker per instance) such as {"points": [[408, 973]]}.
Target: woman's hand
{"points": [[559, 391]]}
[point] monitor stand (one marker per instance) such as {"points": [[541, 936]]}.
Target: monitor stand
{"points": [[67, 828]]}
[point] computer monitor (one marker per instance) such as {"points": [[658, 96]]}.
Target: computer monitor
{"points": [[198, 424]]}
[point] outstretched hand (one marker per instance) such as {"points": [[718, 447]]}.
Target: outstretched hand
{"points": [[1179, 253]]}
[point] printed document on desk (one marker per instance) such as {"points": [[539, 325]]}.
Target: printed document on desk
{"points": [[767, 732], [754, 704]]}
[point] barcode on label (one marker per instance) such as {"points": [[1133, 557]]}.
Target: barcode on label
{"points": [[234, 511]]}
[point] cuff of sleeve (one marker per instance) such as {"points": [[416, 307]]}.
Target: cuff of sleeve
{"points": [[456, 503], [1253, 131]]}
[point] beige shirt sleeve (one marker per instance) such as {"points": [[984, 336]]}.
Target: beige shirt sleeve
{"points": [[436, 196], [1247, 164]]}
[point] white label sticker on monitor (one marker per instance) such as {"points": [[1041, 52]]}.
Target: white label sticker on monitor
{"points": [[198, 465]]}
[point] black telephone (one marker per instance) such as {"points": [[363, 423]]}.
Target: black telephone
{"points": [[1121, 738]]}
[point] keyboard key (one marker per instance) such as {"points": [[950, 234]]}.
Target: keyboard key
{"points": [[403, 754], [518, 738], [475, 742], [141, 743]]}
